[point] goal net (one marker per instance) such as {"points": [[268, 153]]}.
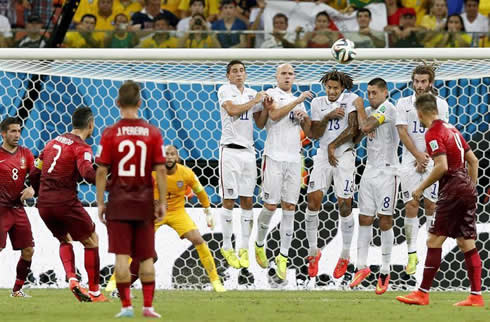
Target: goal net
{"points": [[179, 91]]}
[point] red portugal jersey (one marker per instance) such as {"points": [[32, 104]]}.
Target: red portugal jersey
{"points": [[130, 148], [65, 160], [14, 168]]}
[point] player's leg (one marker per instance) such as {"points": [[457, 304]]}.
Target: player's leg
{"points": [[474, 268], [263, 222], [123, 284], [246, 225], [387, 239], [410, 179]]}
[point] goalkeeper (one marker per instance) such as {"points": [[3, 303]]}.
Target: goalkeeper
{"points": [[179, 177]]}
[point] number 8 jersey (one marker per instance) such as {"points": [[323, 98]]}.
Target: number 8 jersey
{"points": [[13, 170]]}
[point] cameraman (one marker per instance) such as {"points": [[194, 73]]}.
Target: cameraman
{"points": [[199, 35]]}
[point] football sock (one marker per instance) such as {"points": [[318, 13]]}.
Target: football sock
{"points": [[263, 221], [347, 229], [207, 261], [363, 241], [92, 266], [134, 269], [387, 239], [432, 263], [68, 259], [286, 231], [22, 271], [246, 223], [312, 231], [227, 226], [428, 223], [148, 293], [474, 266], [411, 232], [124, 293]]}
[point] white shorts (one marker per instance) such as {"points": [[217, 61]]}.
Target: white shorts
{"points": [[343, 175], [378, 192], [411, 179], [237, 172], [281, 180]]}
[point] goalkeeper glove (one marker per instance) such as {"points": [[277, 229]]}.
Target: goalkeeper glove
{"points": [[209, 217]]}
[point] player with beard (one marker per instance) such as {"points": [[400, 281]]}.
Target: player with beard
{"points": [[416, 163]]}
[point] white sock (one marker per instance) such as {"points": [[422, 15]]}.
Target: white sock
{"points": [[227, 227], [347, 229], [411, 232], [363, 241], [286, 231], [246, 224], [387, 239], [428, 222], [312, 231], [263, 222]]}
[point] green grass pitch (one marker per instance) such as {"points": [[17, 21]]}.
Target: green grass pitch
{"points": [[249, 306]]}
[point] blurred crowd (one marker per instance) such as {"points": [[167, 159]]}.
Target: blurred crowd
{"points": [[243, 24]]}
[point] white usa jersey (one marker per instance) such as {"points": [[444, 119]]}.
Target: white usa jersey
{"points": [[382, 145], [407, 115], [321, 106], [283, 141], [237, 129]]}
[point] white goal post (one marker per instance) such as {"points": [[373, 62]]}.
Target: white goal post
{"points": [[179, 88]]}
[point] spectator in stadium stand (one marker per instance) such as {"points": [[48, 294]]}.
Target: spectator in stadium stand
{"points": [[323, 35], [211, 9], [121, 36], [420, 6], [366, 37], [454, 7], [33, 37], [130, 7], [230, 22], [281, 38], [256, 22], [203, 39], [196, 6], [436, 19], [105, 14], [243, 9], [453, 35], [5, 31], [473, 20], [394, 10], [146, 17], [84, 36], [406, 35], [161, 38], [172, 6]]}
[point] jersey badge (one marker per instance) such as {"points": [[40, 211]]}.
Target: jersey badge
{"points": [[180, 184], [23, 163], [343, 106], [312, 184], [433, 145], [382, 109], [99, 151]]}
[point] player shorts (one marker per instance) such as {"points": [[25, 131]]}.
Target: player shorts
{"points": [[456, 208], [410, 180], [237, 172], [378, 192], [281, 180], [343, 175], [133, 238], [179, 220], [15, 223], [73, 220]]}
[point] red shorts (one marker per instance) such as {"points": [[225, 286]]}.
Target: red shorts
{"points": [[15, 223], [64, 220], [456, 208], [134, 238]]}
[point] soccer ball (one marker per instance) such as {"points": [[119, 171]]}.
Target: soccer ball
{"points": [[343, 50]]}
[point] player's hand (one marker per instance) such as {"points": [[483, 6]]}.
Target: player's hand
{"points": [[101, 211], [417, 194], [268, 102], [338, 113], [259, 98], [300, 116], [27, 193], [160, 211], [304, 96], [209, 218], [420, 168], [331, 156], [422, 159]]}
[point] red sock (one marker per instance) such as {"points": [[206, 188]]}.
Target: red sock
{"points": [[432, 263], [124, 294], [68, 259], [134, 268], [148, 292], [92, 266], [22, 271], [473, 266]]}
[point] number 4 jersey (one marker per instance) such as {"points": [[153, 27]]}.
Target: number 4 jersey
{"points": [[130, 148], [13, 170]]}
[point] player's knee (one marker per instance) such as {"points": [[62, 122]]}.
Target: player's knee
{"points": [[228, 204], [27, 253], [385, 223], [429, 207], [412, 208], [195, 239], [344, 208], [365, 220], [288, 206], [314, 202], [92, 241], [246, 203], [270, 207]]}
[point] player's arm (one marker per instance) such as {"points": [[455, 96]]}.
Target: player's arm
{"points": [[305, 122], [421, 157], [237, 109], [318, 128], [161, 181], [85, 166], [261, 117], [35, 173], [100, 185], [472, 165], [346, 136], [199, 190], [277, 113], [440, 168]]}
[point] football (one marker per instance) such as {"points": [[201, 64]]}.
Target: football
{"points": [[343, 51]]}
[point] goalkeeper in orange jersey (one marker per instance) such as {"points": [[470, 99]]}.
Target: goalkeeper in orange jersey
{"points": [[179, 177]]}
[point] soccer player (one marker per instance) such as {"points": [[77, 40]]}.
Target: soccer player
{"points": [[456, 207], [379, 184], [237, 164], [335, 124], [62, 162], [281, 165], [129, 150], [416, 164], [15, 163]]}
